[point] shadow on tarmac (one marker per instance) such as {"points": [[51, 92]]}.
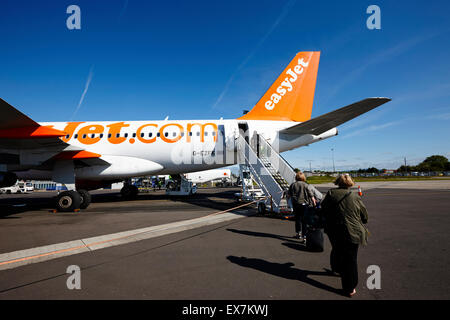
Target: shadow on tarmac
{"points": [[264, 235], [208, 198], [285, 270]]}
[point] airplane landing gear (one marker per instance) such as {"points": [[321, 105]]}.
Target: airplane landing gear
{"points": [[68, 201], [85, 198]]}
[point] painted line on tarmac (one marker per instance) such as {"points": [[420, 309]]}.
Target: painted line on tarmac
{"points": [[428, 193], [28, 256]]}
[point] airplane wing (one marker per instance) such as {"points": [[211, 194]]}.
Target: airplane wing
{"points": [[332, 119]]}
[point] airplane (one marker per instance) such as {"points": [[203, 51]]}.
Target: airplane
{"points": [[88, 155]]}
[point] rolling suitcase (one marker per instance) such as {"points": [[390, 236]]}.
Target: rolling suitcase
{"points": [[314, 239]]}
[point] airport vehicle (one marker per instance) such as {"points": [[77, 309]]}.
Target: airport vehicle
{"points": [[29, 186], [222, 176], [11, 189], [87, 155], [21, 186], [179, 185]]}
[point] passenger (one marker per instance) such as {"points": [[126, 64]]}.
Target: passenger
{"points": [[302, 196], [345, 216]]}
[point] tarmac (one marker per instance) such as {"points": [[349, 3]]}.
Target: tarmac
{"points": [[211, 247]]}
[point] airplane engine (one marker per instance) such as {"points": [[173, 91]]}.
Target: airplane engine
{"points": [[289, 142]]}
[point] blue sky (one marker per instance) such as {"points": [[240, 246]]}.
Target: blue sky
{"points": [[145, 60]]}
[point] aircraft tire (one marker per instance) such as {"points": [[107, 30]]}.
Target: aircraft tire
{"points": [[68, 201], [85, 198]]}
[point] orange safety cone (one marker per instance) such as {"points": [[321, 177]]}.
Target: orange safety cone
{"points": [[359, 191]]}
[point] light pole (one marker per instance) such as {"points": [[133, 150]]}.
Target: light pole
{"points": [[310, 169], [332, 156]]}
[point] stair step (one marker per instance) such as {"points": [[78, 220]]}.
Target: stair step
{"points": [[264, 161]]}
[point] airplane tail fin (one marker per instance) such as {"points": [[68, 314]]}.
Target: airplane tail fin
{"points": [[290, 98]]}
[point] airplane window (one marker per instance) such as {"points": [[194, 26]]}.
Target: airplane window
{"points": [[174, 134], [198, 134], [158, 134], [206, 134], [190, 134], [142, 135], [109, 135], [101, 135], [182, 134], [84, 136], [67, 137], [93, 135], [166, 134], [150, 134], [126, 135], [214, 133], [76, 136], [118, 135], [134, 135]]}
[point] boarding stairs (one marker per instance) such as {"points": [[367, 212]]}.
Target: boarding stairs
{"points": [[268, 168]]}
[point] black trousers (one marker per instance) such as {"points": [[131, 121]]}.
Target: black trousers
{"points": [[299, 212], [344, 260]]}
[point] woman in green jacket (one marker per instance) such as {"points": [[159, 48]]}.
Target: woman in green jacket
{"points": [[345, 216]]}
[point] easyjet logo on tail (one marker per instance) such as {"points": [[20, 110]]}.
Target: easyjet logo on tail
{"points": [[287, 84]]}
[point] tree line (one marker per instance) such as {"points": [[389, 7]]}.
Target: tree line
{"points": [[436, 163], [433, 163]]}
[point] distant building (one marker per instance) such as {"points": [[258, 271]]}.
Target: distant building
{"points": [[47, 186]]}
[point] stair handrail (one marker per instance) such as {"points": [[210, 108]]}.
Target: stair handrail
{"points": [[266, 183], [277, 161]]}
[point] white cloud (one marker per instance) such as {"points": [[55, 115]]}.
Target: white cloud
{"points": [[86, 87], [372, 128], [441, 116], [379, 57]]}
